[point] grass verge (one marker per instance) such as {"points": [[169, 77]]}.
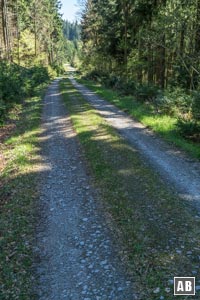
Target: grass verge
{"points": [[164, 125], [158, 229], [17, 201]]}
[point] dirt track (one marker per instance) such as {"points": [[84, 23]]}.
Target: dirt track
{"points": [[76, 253], [176, 169]]}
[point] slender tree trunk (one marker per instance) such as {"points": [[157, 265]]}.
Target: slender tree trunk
{"points": [[150, 58], [4, 26], [162, 63], [182, 41], [197, 26], [150, 64], [194, 76], [125, 11], [35, 28], [18, 34], [139, 73], [161, 67]]}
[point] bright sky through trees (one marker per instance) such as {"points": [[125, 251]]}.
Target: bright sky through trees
{"points": [[69, 9]]}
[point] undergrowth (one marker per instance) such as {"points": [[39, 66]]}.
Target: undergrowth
{"points": [[18, 195]]}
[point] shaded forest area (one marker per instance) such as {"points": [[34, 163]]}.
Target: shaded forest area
{"points": [[31, 48], [149, 49]]}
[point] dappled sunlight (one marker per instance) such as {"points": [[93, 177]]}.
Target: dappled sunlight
{"points": [[141, 203], [101, 137], [125, 172], [53, 95]]}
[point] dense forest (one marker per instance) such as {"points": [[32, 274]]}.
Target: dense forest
{"points": [[147, 47], [31, 32], [31, 47], [72, 33]]}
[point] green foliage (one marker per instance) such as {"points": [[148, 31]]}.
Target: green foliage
{"points": [[158, 119], [147, 93], [188, 124], [72, 44], [71, 31], [174, 101], [154, 42], [18, 82], [196, 106], [125, 87], [39, 75], [2, 109], [18, 198], [188, 128]]}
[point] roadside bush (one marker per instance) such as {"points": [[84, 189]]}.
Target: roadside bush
{"points": [[175, 102], [188, 124], [113, 81], [18, 82], [2, 109], [55, 70], [126, 87], [39, 75], [94, 75], [189, 129], [10, 83], [180, 101], [147, 93], [196, 106]]}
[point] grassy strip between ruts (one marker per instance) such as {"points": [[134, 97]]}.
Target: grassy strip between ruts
{"points": [[164, 125], [17, 202], [158, 229]]}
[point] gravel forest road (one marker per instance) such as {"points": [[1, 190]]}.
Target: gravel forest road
{"points": [[77, 255], [176, 169]]}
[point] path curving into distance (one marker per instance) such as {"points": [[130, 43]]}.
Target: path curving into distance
{"points": [[77, 257], [175, 168]]}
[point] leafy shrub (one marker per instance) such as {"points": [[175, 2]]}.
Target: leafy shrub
{"points": [[10, 82], [126, 87], [147, 93], [94, 75], [188, 124], [2, 110], [196, 106], [188, 128], [55, 70], [39, 75], [113, 81], [180, 100], [17, 82]]}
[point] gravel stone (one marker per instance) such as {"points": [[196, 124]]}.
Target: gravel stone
{"points": [[157, 290], [72, 220]]}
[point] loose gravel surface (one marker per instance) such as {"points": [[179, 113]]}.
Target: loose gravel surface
{"points": [[77, 255], [176, 169]]}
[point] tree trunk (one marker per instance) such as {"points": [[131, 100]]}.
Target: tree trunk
{"points": [[197, 26], [150, 64], [139, 72], [18, 34]]}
